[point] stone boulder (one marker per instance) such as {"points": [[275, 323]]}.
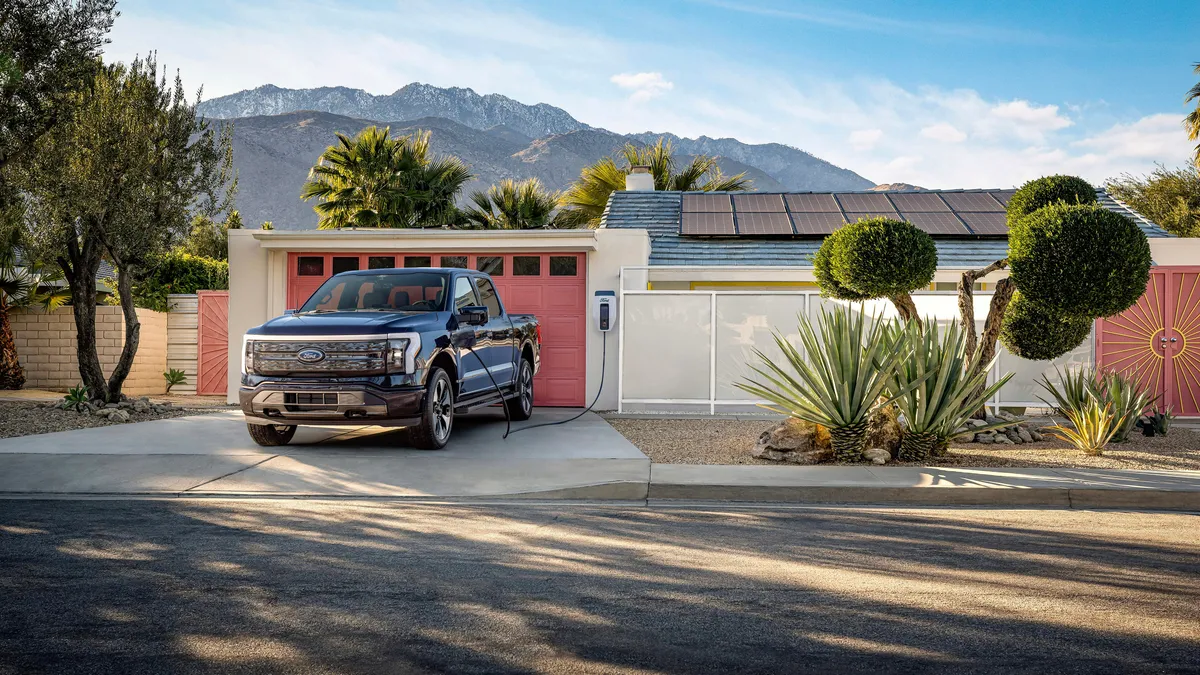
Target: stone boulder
{"points": [[877, 455], [883, 430], [794, 441]]}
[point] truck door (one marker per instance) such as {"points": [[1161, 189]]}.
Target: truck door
{"points": [[473, 379], [498, 337]]}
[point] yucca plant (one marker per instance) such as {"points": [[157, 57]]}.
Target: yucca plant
{"points": [[1073, 391], [837, 384], [944, 387], [1126, 399], [1093, 427]]}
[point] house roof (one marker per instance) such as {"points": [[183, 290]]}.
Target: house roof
{"points": [[660, 213]]}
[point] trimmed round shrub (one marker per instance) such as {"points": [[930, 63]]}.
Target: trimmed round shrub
{"points": [[1034, 332], [881, 258], [1079, 260], [1049, 190], [823, 271]]}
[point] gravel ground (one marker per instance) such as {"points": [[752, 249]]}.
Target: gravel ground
{"points": [[705, 441], [25, 419]]}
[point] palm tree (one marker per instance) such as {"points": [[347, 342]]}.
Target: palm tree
{"points": [[589, 195], [510, 205], [374, 180], [1192, 121], [20, 283]]}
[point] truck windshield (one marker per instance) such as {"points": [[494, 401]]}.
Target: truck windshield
{"points": [[392, 292]]}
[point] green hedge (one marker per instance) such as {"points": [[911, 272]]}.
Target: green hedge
{"points": [[1079, 260], [179, 272], [880, 258], [1046, 191], [1034, 332]]}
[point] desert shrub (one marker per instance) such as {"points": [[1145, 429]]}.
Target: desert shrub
{"points": [[1125, 398], [882, 258], [1042, 192], [179, 272], [1082, 260], [1091, 428], [1031, 331]]}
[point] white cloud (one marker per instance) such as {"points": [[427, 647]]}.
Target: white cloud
{"points": [[925, 135], [944, 132], [865, 139], [644, 86]]}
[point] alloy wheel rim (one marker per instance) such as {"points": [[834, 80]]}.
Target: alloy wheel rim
{"points": [[441, 409], [526, 389]]}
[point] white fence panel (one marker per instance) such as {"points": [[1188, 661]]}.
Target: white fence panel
{"points": [[747, 322], [666, 349]]}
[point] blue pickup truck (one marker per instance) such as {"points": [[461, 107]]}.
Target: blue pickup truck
{"points": [[393, 347]]}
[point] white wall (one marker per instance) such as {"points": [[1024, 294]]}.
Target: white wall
{"points": [[1175, 250], [249, 288], [614, 249]]}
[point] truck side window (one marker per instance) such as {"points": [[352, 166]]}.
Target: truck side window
{"points": [[464, 295], [487, 295]]}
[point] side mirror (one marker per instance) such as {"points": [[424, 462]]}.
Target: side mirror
{"points": [[473, 315], [287, 312]]}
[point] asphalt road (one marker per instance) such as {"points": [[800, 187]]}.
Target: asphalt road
{"points": [[361, 587]]}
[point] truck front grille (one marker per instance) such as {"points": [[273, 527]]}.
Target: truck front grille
{"points": [[365, 357]]}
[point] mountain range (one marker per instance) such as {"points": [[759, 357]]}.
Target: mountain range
{"points": [[278, 134]]}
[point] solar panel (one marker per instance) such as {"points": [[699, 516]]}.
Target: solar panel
{"points": [[812, 203], [1003, 196], [918, 201], [941, 222], [763, 223], [708, 224], [986, 223], [864, 202], [706, 203], [817, 223], [758, 203], [856, 216], [972, 202]]}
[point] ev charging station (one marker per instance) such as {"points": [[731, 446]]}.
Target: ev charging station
{"points": [[604, 310]]}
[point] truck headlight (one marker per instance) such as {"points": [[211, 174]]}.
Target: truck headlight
{"points": [[248, 357], [398, 355]]}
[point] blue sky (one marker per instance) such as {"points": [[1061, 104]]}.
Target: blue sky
{"points": [[937, 93]]}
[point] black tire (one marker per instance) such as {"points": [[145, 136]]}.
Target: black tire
{"points": [[521, 407], [271, 435], [437, 413]]}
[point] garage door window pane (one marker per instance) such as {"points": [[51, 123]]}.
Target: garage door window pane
{"points": [[457, 261], [418, 261], [564, 266], [381, 262], [310, 266], [341, 264], [493, 265], [527, 265]]}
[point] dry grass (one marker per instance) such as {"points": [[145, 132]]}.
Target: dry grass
{"points": [[706, 441]]}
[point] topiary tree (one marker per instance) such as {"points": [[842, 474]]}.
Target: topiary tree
{"points": [[877, 258], [1049, 190], [1079, 260], [1032, 331]]}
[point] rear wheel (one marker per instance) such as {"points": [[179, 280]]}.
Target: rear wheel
{"points": [[521, 407], [271, 435], [437, 414]]}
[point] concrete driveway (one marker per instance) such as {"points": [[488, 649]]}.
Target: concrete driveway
{"points": [[213, 455]]}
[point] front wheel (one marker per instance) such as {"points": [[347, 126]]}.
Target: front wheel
{"points": [[521, 407], [271, 435], [437, 414]]}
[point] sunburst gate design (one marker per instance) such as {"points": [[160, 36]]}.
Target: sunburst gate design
{"points": [[1156, 342], [1185, 356]]}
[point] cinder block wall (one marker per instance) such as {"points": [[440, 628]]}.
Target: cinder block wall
{"points": [[46, 346]]}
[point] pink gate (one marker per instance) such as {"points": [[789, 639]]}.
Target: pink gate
{"points": [[213, 343], [1157, 341]]}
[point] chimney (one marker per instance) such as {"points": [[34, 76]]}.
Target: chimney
{"points": [[639, 178]]}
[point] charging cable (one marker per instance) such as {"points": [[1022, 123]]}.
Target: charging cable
{"points": [[503, 404]]}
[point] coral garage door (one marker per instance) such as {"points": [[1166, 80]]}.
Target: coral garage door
{"points": [[552, 286]]}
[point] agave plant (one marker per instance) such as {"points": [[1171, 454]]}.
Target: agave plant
{"points": [[944, 387], [840, 381], [1126, 399], [1094, 425], [1073, 391]]}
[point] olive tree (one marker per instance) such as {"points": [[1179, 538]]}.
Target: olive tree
{"points": [[876, 258], [121, 181]]}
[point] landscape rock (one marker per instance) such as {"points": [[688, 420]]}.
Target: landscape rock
{"points": [[1036, 435], [1012, 435], [1003, 440], [118, 416], [803, 442], [102, 412], [883, 430], [877, 455], [1026, 437], [985, 438]]}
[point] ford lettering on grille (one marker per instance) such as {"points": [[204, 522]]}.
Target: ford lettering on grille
{"points": [[310, 356]]}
